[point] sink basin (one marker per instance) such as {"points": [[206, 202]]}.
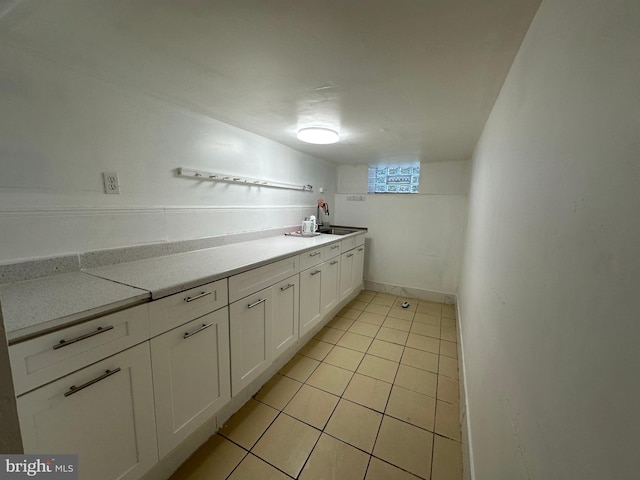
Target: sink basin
{"points": [[336, 231]]}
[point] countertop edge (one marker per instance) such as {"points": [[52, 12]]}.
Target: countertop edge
{"points": [[27, 333], [24, 334]]}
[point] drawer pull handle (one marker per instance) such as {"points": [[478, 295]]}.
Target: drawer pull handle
{"points": [[64, 343], [203, 327], [316, 272], [334, 262], [282, 289], [191, 299], [314, 254], [360, 249], [262, 300], [335, 246], [349, 255], [73, 389]]}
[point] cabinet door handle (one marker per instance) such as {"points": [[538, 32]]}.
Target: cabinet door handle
{"points": [[314, 254], [316, 272], [262, 300], [73, 389], [191, 334], [360, 249], [64, 343], [191, 299], [334, 262], [335, 246], [282, 289], [349, 255]]}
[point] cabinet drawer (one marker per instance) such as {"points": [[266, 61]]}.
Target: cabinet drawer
{"points": [[331, 251], [348, 244], [246, 283], [359, 240], [175, 310], [43, 359], [311, 258]]}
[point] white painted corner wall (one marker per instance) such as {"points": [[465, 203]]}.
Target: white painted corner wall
{"points": [[414, 241], [551, 273], [62, 127]]}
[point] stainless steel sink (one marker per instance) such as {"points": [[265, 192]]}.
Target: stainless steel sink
{"points": [[337, 231]]}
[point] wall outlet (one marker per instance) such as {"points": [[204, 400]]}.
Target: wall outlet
{"points": [[356, 198], [111, 183]]}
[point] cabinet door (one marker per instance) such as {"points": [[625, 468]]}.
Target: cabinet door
{"points": [[104, 413], [358, 267], [190, 376], [346, 274], [284, 331], [329, 293], [310, 290], [250, 330]]}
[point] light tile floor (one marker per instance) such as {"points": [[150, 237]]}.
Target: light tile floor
{"points": [[373, 396]]}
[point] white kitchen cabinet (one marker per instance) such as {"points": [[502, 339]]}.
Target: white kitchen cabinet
{"points": [[190, 376], [175, 310], [250, 322], [103, 412], [346, 274], [332, 250], [251, 281], [329, 285], [358, 267], [352, 269], [284, 331], [312, 257], [310, 298]]}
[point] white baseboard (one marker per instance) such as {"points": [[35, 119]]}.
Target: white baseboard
{"points": [[422, 294], [468, 472]]}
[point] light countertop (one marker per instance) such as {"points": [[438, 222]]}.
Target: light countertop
{"points": [[37, 306], [171, 274]]}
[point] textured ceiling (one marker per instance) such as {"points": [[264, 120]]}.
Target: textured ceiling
{"points": [[400, 79]]}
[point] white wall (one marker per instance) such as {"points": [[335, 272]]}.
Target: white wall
{"points": [[551, 273], [414, 241], [60, 127]]}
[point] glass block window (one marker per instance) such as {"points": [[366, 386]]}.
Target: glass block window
{"points": [[404, 178]]}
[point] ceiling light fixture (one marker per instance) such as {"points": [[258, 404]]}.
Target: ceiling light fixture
{"points": [[318, 135]]}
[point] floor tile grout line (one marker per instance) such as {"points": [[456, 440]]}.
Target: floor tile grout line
{"points": [[246, 453], [263, 433], [435, 410], [262, 460], [322, 431], [341, 396], [386, 405], [399, 467]]}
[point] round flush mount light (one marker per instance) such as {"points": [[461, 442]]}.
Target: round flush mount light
{"points": [[318, 135]]}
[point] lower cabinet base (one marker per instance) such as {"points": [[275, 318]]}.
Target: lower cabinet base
{"points": [[172, 461]]}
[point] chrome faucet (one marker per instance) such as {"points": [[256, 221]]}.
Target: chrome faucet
{"points": [[325, 208]]}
